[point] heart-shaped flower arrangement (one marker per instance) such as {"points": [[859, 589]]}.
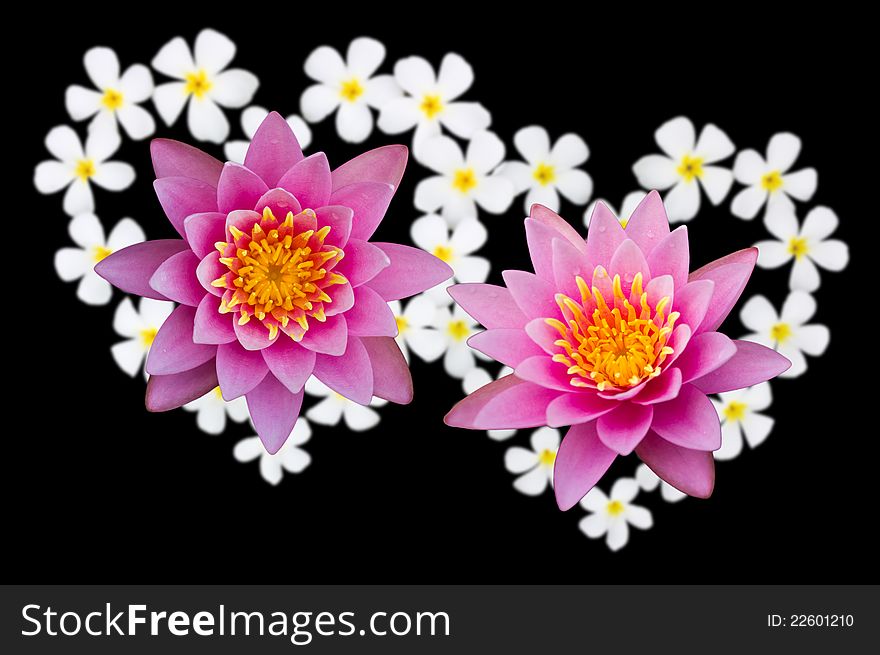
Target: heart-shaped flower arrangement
{"points": [[616, 333]]}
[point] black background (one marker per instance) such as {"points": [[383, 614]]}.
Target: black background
{"points": [[100, 490]]}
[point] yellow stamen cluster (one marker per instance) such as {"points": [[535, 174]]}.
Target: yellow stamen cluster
{"points": [[351, 90], [780, 332], [464, 180], [85, 168], [690, 168], [798, 247], [735, 410], [112, 99], [443, 253], [431, 105], [771, 181], [458, 330], [277, 273], [547, 457], [197, 84], [616, 345], [544, 174]]}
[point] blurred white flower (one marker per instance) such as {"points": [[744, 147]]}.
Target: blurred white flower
{"points": [[479, 377], [549, 171], [117, 96], [415, 328], [768, 180], [789, 333], [334, 407], [139, 326], [454, 328], [79, 263], [739, 414], [627, 207], [464, 180], [251, 118], [205, 83], [648, 481], [75, 167], [431, 233], [349, 86], [211, 411], [612, 515], [431, 100], [290, 457], [686, 166], [534, 467], [807, 245]]}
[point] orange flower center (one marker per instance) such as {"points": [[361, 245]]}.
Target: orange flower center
{"points": [[615, 343], [277, 273]]}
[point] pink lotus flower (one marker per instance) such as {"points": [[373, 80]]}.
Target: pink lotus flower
{"points": [[276, 278], [612, 336]]}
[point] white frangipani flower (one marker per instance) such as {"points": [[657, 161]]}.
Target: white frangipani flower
{"points": [[204, 82], [79, 263], [549, 171], [431, 233], [686, 166], [534, 466], [627, 207], [335, 406], [139, 327], [431, 100], [768, 180], [454, 328], [211, 411], [415, 328], [612, 515], [251, 118], [479, 377], [290, 457], [464, 180], [789, 333], [807, 245], [349, 86], [739, 414], [648, 481], [75, 167], [117, 96]]}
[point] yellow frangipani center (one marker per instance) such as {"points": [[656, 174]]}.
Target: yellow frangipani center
{"points": [[278, 272], [771, 181], [735, 410], [690, 168], [197, 84], [217, 393], [780, 332], [464, 179], [798, 247], [623, 222], [546, 457], [616, 343], [431, 105], [402, 324], [100, 252], [458, 330], [351, 90], [148, 336], [615, 508], [443, 253], [85, 168], [112, 99], [544, 174]]}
